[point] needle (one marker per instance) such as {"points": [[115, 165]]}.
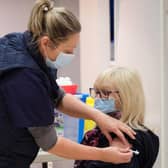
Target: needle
{"points": [[136, 152]]}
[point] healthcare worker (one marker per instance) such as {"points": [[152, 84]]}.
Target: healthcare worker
{"points": [[29, 93]]}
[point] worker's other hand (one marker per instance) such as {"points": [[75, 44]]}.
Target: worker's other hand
{"points": [[108, 124]]}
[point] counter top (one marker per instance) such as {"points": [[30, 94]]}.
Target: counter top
{"points": [[43, 157]]}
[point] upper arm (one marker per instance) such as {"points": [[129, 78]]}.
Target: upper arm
{"points": [[45, 137]]}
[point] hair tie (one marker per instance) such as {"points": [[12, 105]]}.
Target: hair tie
{"points": [[45, 9]]}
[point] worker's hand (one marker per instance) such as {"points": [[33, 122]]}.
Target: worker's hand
{"points": [[109, 124], [116, 155]]}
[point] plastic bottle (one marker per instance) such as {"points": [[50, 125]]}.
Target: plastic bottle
{"points": [[73, 127], [81, 123], [89, 124]]}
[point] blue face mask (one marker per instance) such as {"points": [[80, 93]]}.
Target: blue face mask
{"points": [[61, 60], [105, 105]]}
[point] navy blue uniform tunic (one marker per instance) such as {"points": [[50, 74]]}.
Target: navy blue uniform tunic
{"points": [[24, 103], [28, 94]]}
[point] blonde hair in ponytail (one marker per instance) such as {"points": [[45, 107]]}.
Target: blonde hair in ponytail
{"points": [[57, 23]]}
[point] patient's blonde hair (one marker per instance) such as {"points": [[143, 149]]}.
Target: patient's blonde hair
{"points": [[127, 81]]}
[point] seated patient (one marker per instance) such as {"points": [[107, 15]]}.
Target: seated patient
{"points": [[118, 92]]}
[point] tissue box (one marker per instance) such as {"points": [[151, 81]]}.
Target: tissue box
{"points": [[70, 88]]}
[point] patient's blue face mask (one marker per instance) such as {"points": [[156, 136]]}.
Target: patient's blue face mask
{"points": [[61, 60], [105, 105]]}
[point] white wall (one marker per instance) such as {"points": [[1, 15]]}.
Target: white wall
{"points": [[139, 46], [95, 40], [72, 70], [164, 131], [14, 15]]}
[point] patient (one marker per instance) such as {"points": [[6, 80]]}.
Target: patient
{"points": [[118, 92]]}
